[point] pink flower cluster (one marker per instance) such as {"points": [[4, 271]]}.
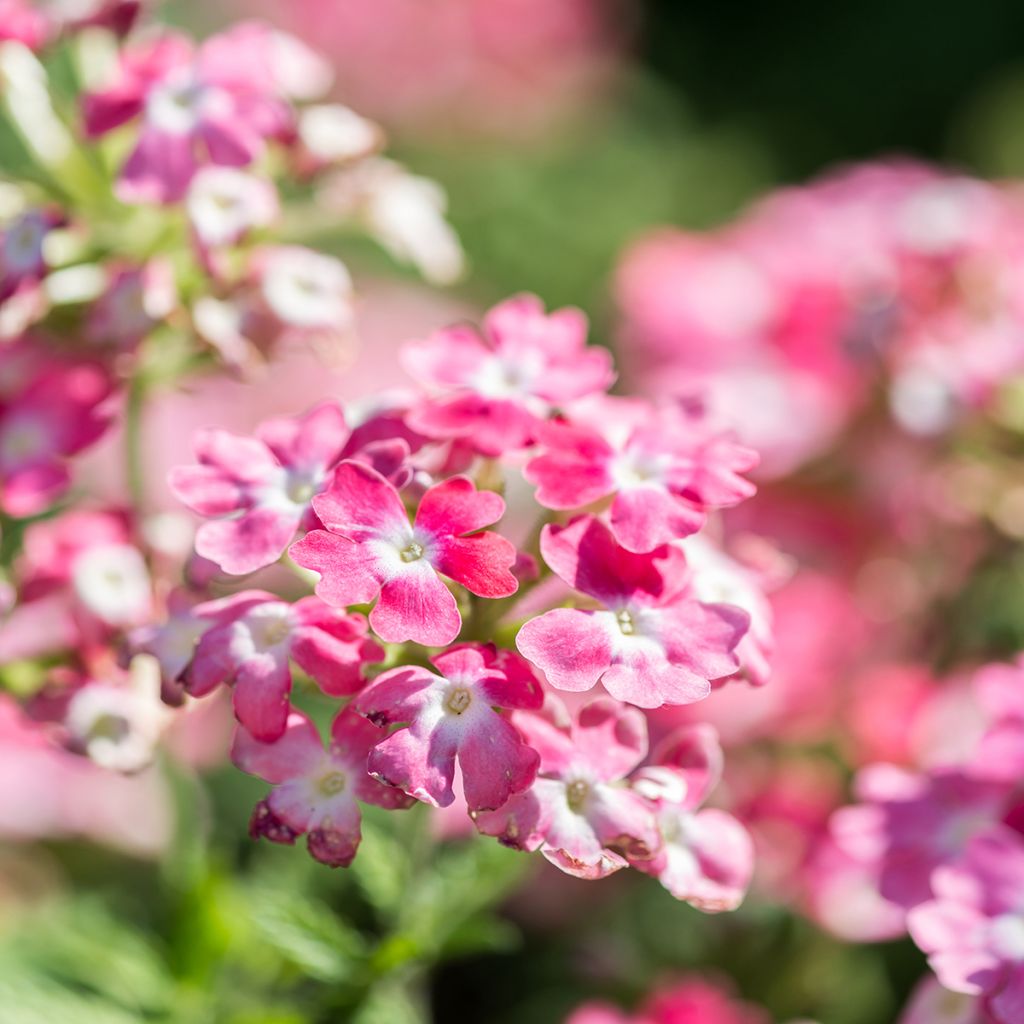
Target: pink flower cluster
{"points": [[784, 320], [396, 519], [945, 845]]}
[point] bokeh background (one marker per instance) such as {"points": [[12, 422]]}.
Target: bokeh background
{"points": [[561, 130]]}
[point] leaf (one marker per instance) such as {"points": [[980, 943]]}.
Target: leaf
{"points": [[389, 1004], [308, 933]]}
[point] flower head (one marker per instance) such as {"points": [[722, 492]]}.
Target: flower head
{"points": [[369, 550], [651, 644], [451, 717], [316, 792]]}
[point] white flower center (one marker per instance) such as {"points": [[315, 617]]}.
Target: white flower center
{"points": [[459, 700], [576, 793], [412, 553], [625, 621], [177, 106]]}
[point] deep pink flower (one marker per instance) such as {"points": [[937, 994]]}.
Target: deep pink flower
{"points": [[496, 388], [664, 467], [973, 930], [57, 413], [196, 107], [575, 812], [706, 856], [369, 549], [652, 643], [316, 792], [258, 490], [451, 716], [251, 640]]}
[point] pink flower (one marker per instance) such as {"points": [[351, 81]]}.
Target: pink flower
{"points": [[22, 23], [930, 1003], [316, 792], [136, 299], [973, 931], [224, 204], [56, 414], [664, 468], [451, 716], [575, 813], [706, 856], [652, 643], [253, 637], [369, 550], [909, 824], [258, 490], [497, 388], [692, 1001], [196, 108]]}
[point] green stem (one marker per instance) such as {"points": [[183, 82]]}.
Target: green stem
{"points": [[135, 476]]}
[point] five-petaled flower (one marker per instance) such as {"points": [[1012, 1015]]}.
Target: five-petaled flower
{"points": [[497, 389], [451, 716], [252, 637], [576, 813], [316, 792], [651, 644], [368, 549]]}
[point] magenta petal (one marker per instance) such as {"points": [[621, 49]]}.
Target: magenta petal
{"points": [[644, 518], [517, 687], [481, 563], [423, 767], [568, 646], [295, 753], [695, 752], [360, 504], [313, 440], [586, 556], [397, 695], [416, 605], [260, 696], [495, 763], [455, 506], [335, 666], [520, 823], [255, 540], [349, 573]]}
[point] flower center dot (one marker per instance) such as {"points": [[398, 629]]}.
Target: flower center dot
{"points": [[576, 795], [331, 783], [413, 553], [626, 623], [459, 700]]}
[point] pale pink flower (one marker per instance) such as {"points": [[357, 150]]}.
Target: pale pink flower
{"points": [[316, 792], [496, 388], [134, 302], [651, 644], [576, 812], [451, 716], [252, 638]]}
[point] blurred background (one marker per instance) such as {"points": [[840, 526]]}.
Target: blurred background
{"points": [[561, 130]]}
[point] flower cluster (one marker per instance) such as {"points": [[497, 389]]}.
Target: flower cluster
{"points": [[785, 319], [945, 845], [396, 519]]}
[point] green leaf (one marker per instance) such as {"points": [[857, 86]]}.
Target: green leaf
{"points": [[307, 933]]}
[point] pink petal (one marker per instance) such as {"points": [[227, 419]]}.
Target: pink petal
{"points": [[703, 637], [518, 686], [256, 539], [206, 489], [611, 738], [585, 555], [293, 755], [313, 440], [640, 674], [645, 517], [422, 766], [495, 763], [260, 696], [695, 752], [568, 646], [416, 605], [334, 665], [360, 504], [456, 507], [397, 695], [349, 572]]}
